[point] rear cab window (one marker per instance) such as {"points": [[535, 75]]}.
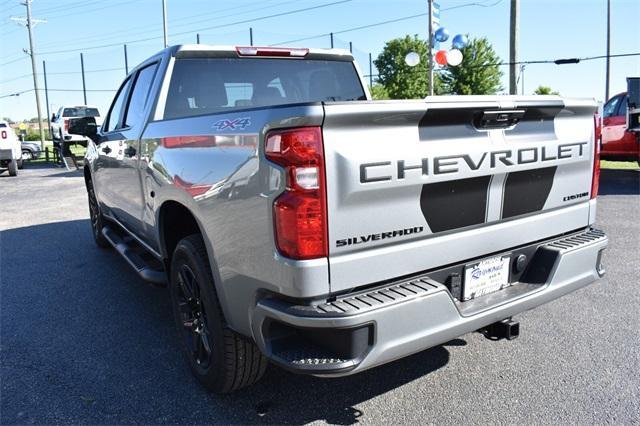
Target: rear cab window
{"points": [[201, 86], [80, 112]]}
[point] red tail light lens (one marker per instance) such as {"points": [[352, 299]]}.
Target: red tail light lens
{"points": [[66, 125], [300, 213], [595, 182]]}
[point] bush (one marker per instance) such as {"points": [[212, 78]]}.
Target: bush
{"points": [[33, 135]]}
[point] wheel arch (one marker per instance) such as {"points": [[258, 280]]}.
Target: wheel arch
{"points": [[175, 221]]}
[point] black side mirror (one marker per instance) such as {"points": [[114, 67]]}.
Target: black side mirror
{"points": [[85, 126]]}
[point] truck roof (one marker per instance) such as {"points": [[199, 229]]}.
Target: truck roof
{"points": [[199, 50]]}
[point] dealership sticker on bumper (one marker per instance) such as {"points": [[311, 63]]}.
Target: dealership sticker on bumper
{"points": [[485, 277]]}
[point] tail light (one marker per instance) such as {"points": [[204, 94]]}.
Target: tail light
{"points": [[300, 213], [66, 125], [595, 182]]}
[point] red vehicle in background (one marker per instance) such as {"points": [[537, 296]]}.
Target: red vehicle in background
{"points": [[617, 142]]}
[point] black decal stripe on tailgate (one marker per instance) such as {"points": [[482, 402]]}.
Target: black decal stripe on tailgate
{"points": [[526, 191], [455, 204]]}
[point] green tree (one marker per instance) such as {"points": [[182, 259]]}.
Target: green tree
{"points": [[8, 120], [477, 74], [545, 90], [378, 92], [399, 80]]}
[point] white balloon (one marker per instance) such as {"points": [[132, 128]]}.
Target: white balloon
{"points": [[412, 59], [454, 57]]}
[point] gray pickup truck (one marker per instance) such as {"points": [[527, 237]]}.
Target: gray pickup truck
{"points": [[297, 221]]}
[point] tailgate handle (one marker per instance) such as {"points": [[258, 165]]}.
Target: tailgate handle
{"points": [[499, 119]]}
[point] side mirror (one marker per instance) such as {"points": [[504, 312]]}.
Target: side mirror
{"points": [[85, 126]]}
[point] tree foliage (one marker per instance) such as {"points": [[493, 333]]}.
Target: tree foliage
{"points": [[475, 75], [378, 92], [545, 90], [399, 80]]}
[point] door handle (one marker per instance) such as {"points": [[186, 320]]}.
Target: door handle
{"points": [[106, 150], [130, 151]]}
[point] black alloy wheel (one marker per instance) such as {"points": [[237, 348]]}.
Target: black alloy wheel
{"points": [[220, 358], [95, 217], [193, 317]]}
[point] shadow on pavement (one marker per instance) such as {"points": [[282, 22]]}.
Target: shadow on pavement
{"points": [[619, 182], [84, 340]]}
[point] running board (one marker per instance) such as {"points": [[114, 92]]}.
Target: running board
{"points": [[145, 265]]}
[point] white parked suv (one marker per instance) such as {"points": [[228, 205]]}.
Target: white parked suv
{"points": [[65, 117], [10, 151]]}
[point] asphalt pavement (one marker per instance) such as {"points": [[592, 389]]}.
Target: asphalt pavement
{"points": [[84, 340]]}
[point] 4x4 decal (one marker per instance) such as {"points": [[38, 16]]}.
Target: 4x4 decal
{"points": [[226, 124]]}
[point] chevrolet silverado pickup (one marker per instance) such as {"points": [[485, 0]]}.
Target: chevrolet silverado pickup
{"points": [[297, 221]]}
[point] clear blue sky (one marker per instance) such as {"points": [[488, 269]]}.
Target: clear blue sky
{"points": [[550, 29]]}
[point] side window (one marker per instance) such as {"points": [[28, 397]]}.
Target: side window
{"points": [[111, 122], [622, 105], [611, 107], [139, 96]]}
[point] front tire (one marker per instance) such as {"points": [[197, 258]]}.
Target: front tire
{"points": [[13, 168], [221, 359], [97, 221], [20, 164]]}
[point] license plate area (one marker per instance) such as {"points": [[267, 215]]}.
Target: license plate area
{"points": [[486, 276]]}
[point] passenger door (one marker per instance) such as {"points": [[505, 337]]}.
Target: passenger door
{"points": [[109, 150], [614, 126], [128, 197]]}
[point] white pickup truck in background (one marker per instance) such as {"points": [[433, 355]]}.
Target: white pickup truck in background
{"points": [[65, 117], [10, 150]]}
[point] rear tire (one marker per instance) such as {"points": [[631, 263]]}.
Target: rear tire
{"points": [[20, 164], [13, 168], [221, 359], [96, 218]]}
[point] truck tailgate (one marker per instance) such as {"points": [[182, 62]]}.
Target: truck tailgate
{"points": [[415, 185]]}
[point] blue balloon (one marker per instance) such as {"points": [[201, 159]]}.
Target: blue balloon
{"points": [[441, 34], [459, 41]]}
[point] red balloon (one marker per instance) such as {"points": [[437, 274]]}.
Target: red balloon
{"points": [[441, 57]]}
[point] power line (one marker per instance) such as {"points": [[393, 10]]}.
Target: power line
{"points": [[290, 12], [63, 73], [15, 60], [82, 3], [390, 21], [172, 21], [82, 12]]}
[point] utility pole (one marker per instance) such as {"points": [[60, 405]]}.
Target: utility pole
{"points": [[84, 85], [126, 61], [370, 71], [164, 22], [514, 41], [606, 87], [30, 23], [46, 95], [430, 48]]}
